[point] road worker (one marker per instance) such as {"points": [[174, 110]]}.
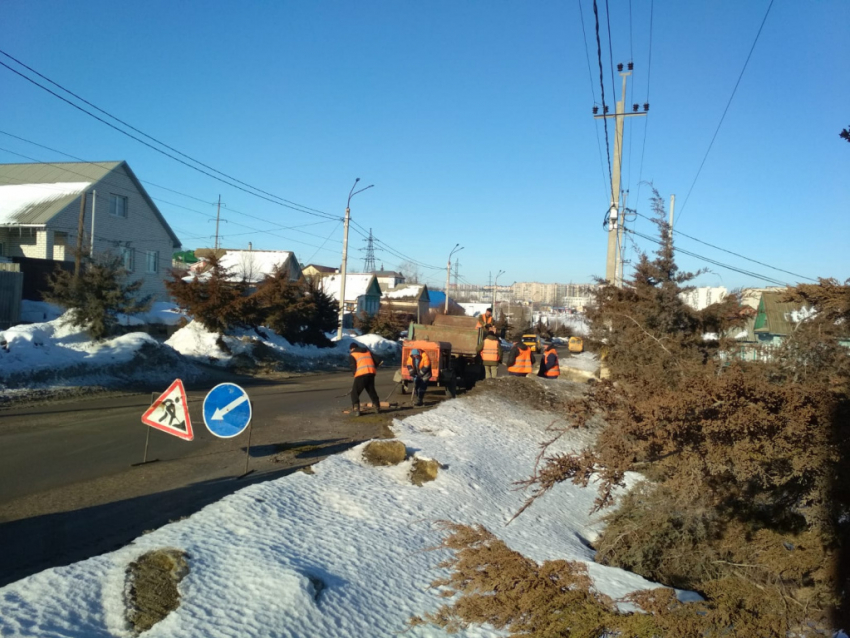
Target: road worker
{"points": [[363, 366], [491, 353], [486, 320], [419, 368], [549, 365], [520, 359]]}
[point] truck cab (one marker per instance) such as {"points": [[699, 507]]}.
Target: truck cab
{"points": [[533, 342]]}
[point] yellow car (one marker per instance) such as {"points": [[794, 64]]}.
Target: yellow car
{"points": [[576, 344], [533, 342]]}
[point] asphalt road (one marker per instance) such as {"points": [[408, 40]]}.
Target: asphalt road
{"points": [[68, 489]]}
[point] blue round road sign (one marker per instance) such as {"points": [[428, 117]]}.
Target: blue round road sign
{"points": [[227, 410]]}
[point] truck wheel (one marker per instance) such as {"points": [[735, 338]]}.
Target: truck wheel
{"points": [[451, 386]]}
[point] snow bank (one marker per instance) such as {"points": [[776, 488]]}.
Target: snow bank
{"points": [[196, 342], [39, 311], [161, 312], [361, 531]]}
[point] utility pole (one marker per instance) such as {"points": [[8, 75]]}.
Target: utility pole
{"points": [[672, 206], [495, 286], [217, 217], [351, 194], [93, 205], [615, 214], [620, 228], [457, 270], [456, 249], [78, 259]]}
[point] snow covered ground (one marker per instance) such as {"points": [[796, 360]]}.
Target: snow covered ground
{"points": [[196, 342], [363, 531]]}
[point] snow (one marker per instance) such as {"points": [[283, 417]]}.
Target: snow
{"points": [[39, 311], [362, 530], [254, 265], [356, 285], [586, 361], [195, 341], [404, 292], [17, 198], [56, 344], [474, 309], [161, 312]]}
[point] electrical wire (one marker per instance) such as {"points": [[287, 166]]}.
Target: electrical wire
{"points": [[324, 242], [604, 107], [760, 263], [725, 111], [593, 99], [298, 207]]}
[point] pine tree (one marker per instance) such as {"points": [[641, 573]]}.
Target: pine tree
{"points": [[96, 296], [212, 298]]}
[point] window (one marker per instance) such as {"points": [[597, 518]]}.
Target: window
{"points": [[153, 261], [118, 206], [128, 257]]}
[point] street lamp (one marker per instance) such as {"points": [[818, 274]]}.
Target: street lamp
{"points": [[351, 194], [456, 249], [495, 284]]}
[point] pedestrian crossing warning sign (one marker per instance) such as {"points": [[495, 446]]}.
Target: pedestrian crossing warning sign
{"points": [[170, 412]]}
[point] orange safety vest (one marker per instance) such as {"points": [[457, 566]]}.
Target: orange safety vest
{"points": [[365, 364], [522, 365], [484, 321], [555, 371], [424, 362], [490, 351]]}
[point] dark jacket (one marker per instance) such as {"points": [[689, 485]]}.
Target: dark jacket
{"points": [[352, 362], [513, 354], [492, 337]]}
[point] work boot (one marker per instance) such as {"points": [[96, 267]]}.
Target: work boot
{"points": [[377, 408], [355, 409]]}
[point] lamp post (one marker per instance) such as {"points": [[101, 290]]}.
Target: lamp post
{"points": [[495, 284], [456, 249], [351, 194]]}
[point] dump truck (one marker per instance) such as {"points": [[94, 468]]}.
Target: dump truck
{"points": [[452, 346]]}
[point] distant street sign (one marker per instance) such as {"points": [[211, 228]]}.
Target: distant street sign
{"points": [[227, 410], [170, 412]]}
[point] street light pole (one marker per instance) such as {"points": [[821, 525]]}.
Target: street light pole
{"points": [[351, 194], [495, 284], [449, 272]]}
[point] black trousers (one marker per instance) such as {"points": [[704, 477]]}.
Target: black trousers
{"points": [[364, 382]]}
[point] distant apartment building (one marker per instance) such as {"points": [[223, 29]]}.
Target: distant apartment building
{"points": [[555, 294], [704, 296]]}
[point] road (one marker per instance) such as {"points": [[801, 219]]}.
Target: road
{"points": [[68, 489]]}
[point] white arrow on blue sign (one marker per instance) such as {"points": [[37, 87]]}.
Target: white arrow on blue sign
{"points": [[227, 410]]}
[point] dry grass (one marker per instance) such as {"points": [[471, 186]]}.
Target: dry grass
{"points": [[152, 582], [423, 471], [385, 452]]}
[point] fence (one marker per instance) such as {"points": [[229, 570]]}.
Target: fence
{"points": [[11, 286]]}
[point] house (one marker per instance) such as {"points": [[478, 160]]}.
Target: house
{"points": [[252, 266], [314, 271], [388, 278], [40, 221], [412, 299], [362, 292], [776, 319]]}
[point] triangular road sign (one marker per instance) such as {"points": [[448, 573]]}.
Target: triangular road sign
{"points": [[170, 412]]}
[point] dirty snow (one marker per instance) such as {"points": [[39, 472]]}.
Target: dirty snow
{"points": [[362, 531]]}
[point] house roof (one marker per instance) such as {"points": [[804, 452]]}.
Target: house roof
{"points": [[387, 273], [413, 292], [33, 194], [356, 285], [251, 265], [321, 269], [775, 316]]}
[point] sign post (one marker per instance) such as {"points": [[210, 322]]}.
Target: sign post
{"points": [[168, 412], [227, 412]]}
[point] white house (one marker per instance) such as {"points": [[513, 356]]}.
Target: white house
{"points": [[252, 266], [40, 213], [362, 292]]}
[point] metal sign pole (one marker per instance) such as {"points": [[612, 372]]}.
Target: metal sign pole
{"points": [[248, 449], [145, 461]]}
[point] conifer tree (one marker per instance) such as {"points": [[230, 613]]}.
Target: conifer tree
{"points": [[212, 299]]}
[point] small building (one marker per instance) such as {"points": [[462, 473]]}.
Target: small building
{"points": [[252, 266], [776, 319], [411, 299], [388, 278], [314, 271], [362, 292], [40, 221]]}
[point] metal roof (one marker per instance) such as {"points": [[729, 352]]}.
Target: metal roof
{"points": [[40, 211], [774, 316]]}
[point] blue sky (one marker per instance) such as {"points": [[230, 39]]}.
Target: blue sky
{"points": [[473, 120]]}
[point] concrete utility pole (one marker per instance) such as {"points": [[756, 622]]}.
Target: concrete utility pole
{"points": [[615, 214], [93, 210], [351, 194], [449, 273], [78, 259], [672, 206], [495, 286]]}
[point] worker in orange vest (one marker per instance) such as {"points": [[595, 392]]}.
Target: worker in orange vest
{"points": [[419, 368], [491, 353], [520, 359], [486, 320], [363, 366], [549, 365]]}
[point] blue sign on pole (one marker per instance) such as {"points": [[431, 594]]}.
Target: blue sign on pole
{"points": [[227, 410]]}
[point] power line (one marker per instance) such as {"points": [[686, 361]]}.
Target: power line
{"points": [[602, 88], [713, 261], [760, 263], [726, 110], [297, 207], [592, 97]]}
